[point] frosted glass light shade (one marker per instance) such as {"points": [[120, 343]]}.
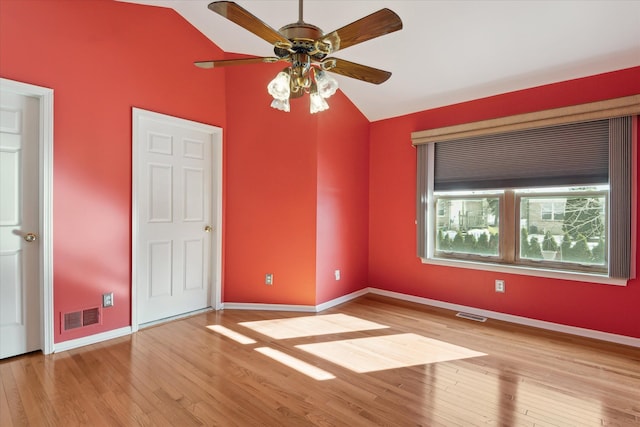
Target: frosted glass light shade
{"points": [[279, 86], [281, 104], [317, 103], [327, 85]]}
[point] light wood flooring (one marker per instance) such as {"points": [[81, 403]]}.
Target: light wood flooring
{"points": [[372, 361]]}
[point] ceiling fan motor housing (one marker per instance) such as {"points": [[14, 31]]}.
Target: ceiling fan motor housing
{"points": [[303, 39]]}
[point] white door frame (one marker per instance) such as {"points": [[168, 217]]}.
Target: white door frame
{"points": [[216, 208], [45, 199]]}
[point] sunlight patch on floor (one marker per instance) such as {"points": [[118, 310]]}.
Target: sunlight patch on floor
{"points": [[297, 364], [236, 336], [387, 352], [296, 327]]}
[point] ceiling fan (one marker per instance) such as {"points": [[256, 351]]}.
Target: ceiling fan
{"points": [[306, 48]]}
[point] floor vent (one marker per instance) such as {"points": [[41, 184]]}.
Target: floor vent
{"points": [[78, 319], [472, 317]]}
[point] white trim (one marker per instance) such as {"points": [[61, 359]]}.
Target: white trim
{"points": [[527, 271], [216, 208], [134, 223], [172, 318], [92, 339], [341, 300], [45, 98], [300, 308], [269, 307], [556, 327]]}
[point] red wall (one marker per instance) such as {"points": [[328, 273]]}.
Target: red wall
{"points": [[343, 200], [102, 58], [393, 264], [296, 201]]}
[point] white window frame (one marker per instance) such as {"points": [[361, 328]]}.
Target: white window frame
{"points": [[433, 233], [497, 264]]}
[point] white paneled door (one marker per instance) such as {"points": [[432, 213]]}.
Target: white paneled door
{"points": [[174, 215], [20, 323]]}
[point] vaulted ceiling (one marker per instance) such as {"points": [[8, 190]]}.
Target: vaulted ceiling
{"points": [[449, 51]]}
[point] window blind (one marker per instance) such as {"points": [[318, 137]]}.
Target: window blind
{"points": [[620, 196], [572, 154], [422, 198]]}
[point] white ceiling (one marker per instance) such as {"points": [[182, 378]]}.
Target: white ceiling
{"points": [[449, 51]]}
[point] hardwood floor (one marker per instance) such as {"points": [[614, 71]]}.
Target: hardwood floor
{"points": [[378, 362]]}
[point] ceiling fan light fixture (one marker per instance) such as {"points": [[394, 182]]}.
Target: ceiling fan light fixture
{"points": [[327, 85], [293, 82], [279, 87]]}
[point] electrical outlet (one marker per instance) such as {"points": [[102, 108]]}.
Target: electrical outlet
{"points": [[500, 286], [107, 299], [268, 279], [337, 274]]}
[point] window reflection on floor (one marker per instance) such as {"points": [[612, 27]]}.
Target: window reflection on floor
{"points": [[236, 336], [305, 326], [297, 364], [387, 352]]}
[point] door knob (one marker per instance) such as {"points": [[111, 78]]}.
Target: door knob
{"points": [[30, 237], [208, 228]]}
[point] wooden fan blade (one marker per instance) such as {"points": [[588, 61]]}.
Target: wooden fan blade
{"points": [[377, 24], [228, 62], [356, 71], [246, 20]]}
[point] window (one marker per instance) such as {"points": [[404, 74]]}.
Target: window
{"points": [[551, 210], [558, 227], [469, 227], [553, 198], [571, 238]]}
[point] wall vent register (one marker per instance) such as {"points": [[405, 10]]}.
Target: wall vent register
{"points": [[79, 319]]}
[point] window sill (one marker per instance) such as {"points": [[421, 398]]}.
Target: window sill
{"points": [[527, 271]]}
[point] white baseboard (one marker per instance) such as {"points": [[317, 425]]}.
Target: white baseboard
{"points": [[299, 308], [91, 339], [341, 300], [268, 307], [172, 318], [556, 327]]}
